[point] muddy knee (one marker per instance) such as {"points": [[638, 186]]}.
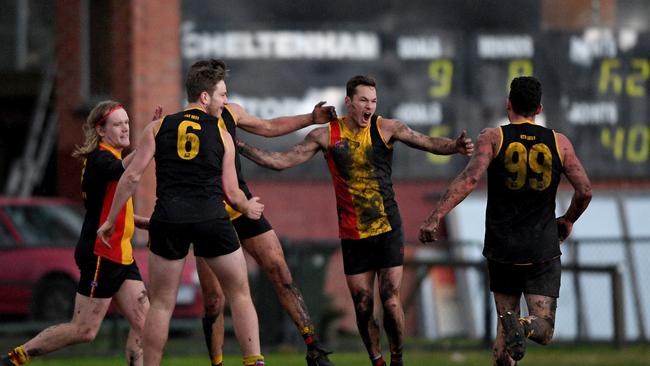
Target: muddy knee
{"points": [[87, 334], [214, 304], [363, 306]]}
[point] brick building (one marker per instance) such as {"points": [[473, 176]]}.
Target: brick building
{"points": [[127, 51]]}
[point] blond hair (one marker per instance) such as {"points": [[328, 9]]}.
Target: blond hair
{"points": [[97, 116]]}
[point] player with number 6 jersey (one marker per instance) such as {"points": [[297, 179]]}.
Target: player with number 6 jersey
{"points": [[195, 173]]}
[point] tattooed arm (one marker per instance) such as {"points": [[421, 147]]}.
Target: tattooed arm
{"points": [[463, 184], [314, 141], [578, 178], [394, 129]]}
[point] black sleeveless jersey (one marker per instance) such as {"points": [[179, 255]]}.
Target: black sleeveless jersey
{"points": [[189, 154], [520, 225], [230, 123]]}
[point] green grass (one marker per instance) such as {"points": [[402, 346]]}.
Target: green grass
{"points": [[638, 355]]}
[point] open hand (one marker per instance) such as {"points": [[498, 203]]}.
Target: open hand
{"points": [[105, 232]]}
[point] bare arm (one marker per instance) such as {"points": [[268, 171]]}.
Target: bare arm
{"points": [[463, 184], [157, 114], [129, 180], [392, 128], [127, 160], [281, 125], [578, 178], [298, 154], [141, 222], [234, 195]]}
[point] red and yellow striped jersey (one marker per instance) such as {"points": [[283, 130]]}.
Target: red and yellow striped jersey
{"points": [[361, 168], [102, 170]]}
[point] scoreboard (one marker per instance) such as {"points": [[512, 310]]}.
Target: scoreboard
{"points": [[438, 81]]}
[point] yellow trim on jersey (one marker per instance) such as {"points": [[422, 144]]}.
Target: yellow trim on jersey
{"points": [[112, 150], [557, 147], [500, 141], [129, 228], [379, 118], [156, 129], [232, 213], [221, 126], [234, 115]]}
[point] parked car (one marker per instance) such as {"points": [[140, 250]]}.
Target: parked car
{"points": [[38, 274]]}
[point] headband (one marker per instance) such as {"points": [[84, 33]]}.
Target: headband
{"points": [[104, 117]]}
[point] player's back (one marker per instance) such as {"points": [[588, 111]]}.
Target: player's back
{"points": [[189, 154], [522, 186]]}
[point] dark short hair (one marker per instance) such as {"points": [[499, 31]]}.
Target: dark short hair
{"points": [[525, 95], [203, 76], [213, 63], [351, 86]]}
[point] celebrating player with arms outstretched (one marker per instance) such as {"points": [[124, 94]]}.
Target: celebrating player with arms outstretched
{"points": [[358, 148]]}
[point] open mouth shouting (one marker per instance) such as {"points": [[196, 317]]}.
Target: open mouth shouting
{"points": [[366, 117]]}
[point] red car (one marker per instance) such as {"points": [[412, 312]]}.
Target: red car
{"points": [[38, 274]]}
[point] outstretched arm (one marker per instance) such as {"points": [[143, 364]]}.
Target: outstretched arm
{"points": [[463, 184], [298, 154], [129, 180], [578, 178], [234, 195], [282, 125], [392, 128]]}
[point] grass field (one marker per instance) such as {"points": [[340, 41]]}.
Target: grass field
{"points": [[638, 355]]}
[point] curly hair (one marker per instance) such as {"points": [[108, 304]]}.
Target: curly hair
{"points": [[525, 95]]}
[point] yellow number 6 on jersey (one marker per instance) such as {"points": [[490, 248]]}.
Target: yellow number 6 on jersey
{"points": [[186, 138]]}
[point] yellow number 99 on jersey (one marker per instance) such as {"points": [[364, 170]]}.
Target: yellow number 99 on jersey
{"points": [[518, 159]]}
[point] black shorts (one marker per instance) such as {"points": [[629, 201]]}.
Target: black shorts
{"points": [[376, 252], [248, 228], [110, 276], [534, 279], [210, 238]]}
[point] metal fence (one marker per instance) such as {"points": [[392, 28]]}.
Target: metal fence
{"points": [[616, 296]]}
